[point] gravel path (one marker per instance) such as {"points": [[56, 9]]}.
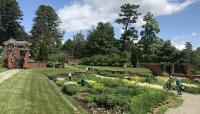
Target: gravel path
{"points": [[7, 74], [191, 105]]}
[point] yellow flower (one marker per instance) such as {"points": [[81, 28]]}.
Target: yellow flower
{"points": [[129, 83]]}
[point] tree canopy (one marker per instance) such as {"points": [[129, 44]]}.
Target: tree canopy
{"points": [[46, 35], [10, 17], [100, 40], [149, 39], [128, 16]]}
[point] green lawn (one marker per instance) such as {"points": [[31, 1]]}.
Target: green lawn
{"points": [[29, 92]]}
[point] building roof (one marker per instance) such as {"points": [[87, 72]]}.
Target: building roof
{"points": [[16, 43]]}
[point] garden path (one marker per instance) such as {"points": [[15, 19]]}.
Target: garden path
{"points": [[191, 105], [7, 74]]}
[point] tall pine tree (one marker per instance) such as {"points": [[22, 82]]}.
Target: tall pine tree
{"points": [[128, 17], [79, 45], [46, 36], [148, 37], [10, 17]]}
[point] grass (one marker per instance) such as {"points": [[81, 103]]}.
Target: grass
{"points": [[75, 103], [29, 92], [2, 69], [178, 103]]}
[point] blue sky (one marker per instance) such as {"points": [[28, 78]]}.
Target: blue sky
{"points": [[179, 20]]}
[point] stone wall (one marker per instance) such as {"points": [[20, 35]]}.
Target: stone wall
{"points": [[156, 68]]}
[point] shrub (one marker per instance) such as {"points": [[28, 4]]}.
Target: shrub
{"points": [[4, 60], [93, 84], [139, 79], [150, 78], [129, 83], [52, 77], [56, 57], [102, 60], [89, 98], [50, 64], [73, 89], [143, 103], [110, 101], [194, 90], [112, 82], [60, 82]]}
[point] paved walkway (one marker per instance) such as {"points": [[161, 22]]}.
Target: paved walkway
{"points": [[191, 105], [7, 74]]}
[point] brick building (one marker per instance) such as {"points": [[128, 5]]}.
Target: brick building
{"points": [[17, 53]]}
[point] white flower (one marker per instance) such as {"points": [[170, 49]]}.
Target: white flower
{"points": [[150, 85]]}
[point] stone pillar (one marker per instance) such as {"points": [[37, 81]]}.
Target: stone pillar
{"points": [[10, 57], [26, 56]]}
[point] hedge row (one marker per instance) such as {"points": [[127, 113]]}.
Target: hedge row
{"points": [[114, 60]]}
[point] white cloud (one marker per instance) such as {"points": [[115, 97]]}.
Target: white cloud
{"points": [[81, 15], [179, 46], [185, 37], [194, 34], [179, 41]]}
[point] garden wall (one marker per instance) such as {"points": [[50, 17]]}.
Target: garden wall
{"points": [[154, 67], [35, 65], [191, 77]]}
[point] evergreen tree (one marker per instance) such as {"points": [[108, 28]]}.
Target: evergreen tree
{"points": [[45, 32], [148, 36], [187, 54], [79, 45], [128, 16], [167, 52], [100, 40], [188, 46], [68, 46], [10, 17]]}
